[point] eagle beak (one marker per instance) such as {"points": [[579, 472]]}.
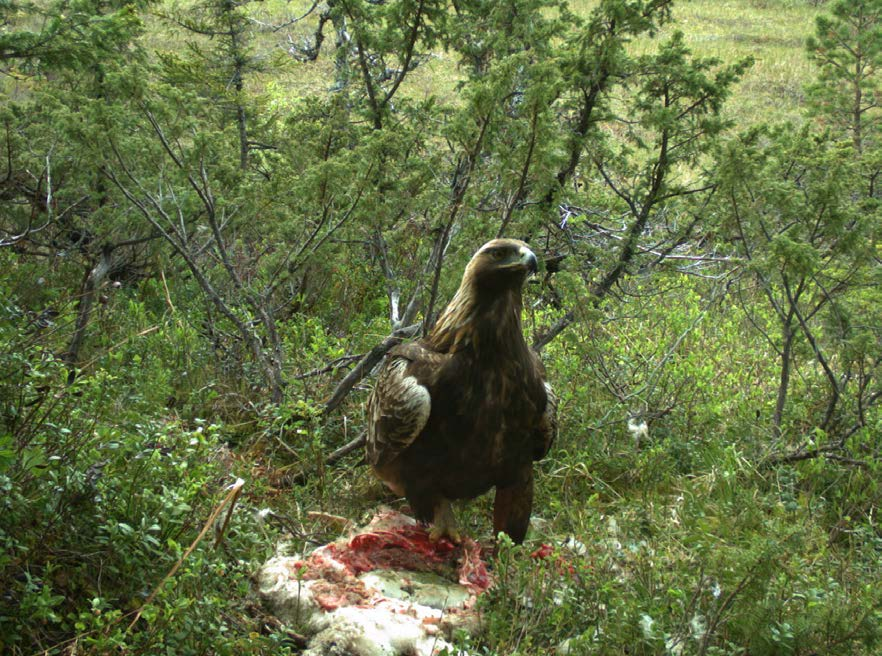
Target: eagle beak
{"points": [[528, 259]]}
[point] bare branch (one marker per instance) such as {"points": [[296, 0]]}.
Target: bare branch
{"points": [[334, 456], [366, 365], [335, 364]]}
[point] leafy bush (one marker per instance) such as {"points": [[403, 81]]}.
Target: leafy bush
{"points": [[97, 505]]}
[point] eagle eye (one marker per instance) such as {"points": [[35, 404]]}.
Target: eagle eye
{"points": [[497, 253]]}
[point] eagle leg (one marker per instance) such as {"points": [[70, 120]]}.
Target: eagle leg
{"points": [[444, 523], [512, 508]]}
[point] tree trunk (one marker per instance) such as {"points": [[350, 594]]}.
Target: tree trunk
{"points": [[856, 115], [784, 380], [86, 302]]}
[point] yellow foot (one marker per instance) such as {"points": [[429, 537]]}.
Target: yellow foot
{"points": [[444, 524], [438, 532]]}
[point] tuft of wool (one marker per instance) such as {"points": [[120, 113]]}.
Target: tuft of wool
{"points": [[385, 590]]}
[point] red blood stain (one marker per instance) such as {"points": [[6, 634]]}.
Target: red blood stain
{"points": [[406, 548], [561, 564], [331, 595], [543, 552]]}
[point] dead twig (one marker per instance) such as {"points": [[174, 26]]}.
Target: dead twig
{"points": [[347, 448], [331, 366], [366, 365], [343, 523], [168, 301], [835, 451], [801, 454], [854, 462], [235, 489], [717, 617], [337, 454]]}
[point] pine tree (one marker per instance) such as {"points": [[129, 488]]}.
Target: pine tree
{"points": [[847, 49]]}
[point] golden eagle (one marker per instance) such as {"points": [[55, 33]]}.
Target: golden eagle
{"points": [[467, 407]]}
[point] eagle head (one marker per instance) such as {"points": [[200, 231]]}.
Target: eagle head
{"points": [[500, 264], [488, 300]]}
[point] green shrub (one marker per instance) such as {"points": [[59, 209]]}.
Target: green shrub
{"points": [[96, 506]]}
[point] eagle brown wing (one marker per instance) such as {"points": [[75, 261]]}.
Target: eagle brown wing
{"points": [[547, 431], [547, 425], [400, 403]]}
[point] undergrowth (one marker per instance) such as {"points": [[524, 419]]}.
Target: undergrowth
{"points": [[99, 502]]}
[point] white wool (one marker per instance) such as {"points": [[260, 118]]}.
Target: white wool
{"points": [[291, 598], [639, 431], [399, 613], [396, 624], [427, 594], [374, 632]]}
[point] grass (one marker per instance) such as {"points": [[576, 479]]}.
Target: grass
{"points": [[684, 544], [772, 32], [689, 547]]}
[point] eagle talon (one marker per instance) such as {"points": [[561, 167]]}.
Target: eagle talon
{"points": [[437, 533], [444, 524]]}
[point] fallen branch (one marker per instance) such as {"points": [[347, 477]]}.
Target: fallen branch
{"points": [[835, 452], [863, 464], [800, 455], [366, 365], [334, 456], [347, 448]]}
